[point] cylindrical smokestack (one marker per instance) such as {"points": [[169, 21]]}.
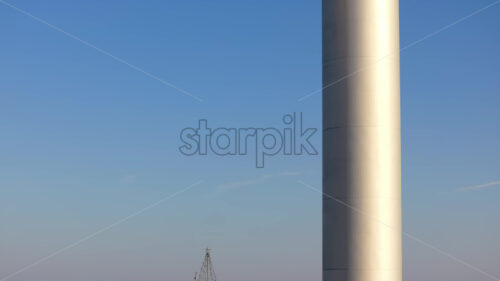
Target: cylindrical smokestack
{"points": [[361, 141]]}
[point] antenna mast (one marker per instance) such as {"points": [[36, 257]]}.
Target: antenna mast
{"points": [[207, 272]]}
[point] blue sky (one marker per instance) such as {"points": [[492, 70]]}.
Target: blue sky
{"points": [[87, 140]]}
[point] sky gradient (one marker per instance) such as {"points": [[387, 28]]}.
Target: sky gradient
{"points": [[88, 140]]}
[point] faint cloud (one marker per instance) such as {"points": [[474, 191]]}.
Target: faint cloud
{"points": [[129, 178], [263, 178], [480, 186], [238, 184], [289, 174]]}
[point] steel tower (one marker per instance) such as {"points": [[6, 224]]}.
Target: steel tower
{"points": [[207, 272], [361, 141]]}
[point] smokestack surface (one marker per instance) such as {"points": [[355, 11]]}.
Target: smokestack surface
{"points": [[361, 141]]}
